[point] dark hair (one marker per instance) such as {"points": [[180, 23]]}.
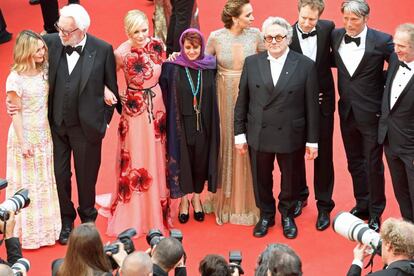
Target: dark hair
{"points": [[232, 8], [85, 252], [168, 253], [192, 37], [214, 265], [313, 4]]}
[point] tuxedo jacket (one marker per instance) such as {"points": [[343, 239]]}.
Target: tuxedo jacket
{"points": [[323, 62], [362, 93], [397, 268], [397, 123], [98, 70], [279, 118]]}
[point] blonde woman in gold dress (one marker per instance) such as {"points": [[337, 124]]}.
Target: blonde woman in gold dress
{"points": [[234, 201]]}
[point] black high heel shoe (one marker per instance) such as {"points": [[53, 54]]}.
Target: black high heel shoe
{"points": [[183, 218], [198, 216]]}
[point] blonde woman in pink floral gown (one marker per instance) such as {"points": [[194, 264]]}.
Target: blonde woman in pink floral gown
{"points": [[141, 197], [29, 144]]}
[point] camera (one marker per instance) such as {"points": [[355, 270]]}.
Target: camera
{"points": [[155, 235], [20, 266], [235, 260], [125, 238], [13, 204], [355, 229]]}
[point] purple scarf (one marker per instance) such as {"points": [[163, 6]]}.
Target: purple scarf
{"points": [[202, 62]]}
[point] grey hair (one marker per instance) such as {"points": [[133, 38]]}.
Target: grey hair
{"points": [[274, 20], [79, 14], [409, 29], [358, 7], [278, 259]]}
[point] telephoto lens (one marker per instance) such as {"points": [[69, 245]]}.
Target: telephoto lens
{"points": [[20, 266], [18, 201]]}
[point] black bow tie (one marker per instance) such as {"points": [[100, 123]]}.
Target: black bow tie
{"points": [[349, 39], [403, 64], [69, 49], [306, 35]]}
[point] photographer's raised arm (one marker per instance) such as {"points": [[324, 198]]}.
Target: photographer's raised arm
{"points": [[13, 246]]}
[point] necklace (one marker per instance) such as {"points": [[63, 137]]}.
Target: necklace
{"points": [[195, 91]]}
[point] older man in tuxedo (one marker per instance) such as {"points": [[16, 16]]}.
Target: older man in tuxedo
{"points": [[312, 37], [396, 125], [360, 53], [80, 66], [277, 112]]}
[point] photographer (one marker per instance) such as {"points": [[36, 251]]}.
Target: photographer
{"points": [[85, 254], [167, 255], [13, 247], [397, 250], [137, 264], [278, 260], [216, 265]]}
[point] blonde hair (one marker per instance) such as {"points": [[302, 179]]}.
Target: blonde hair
{"points": [[400, 234], [24, 49], [133, 19]]}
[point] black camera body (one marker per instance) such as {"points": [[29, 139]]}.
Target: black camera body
{"points": [[235, 260], [125, 238], [154, 236]]}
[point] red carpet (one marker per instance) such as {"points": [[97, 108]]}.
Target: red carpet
{"points": [[322, 253]]}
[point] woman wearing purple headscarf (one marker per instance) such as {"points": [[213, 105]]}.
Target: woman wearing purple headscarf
{"points": [[193, 135]]}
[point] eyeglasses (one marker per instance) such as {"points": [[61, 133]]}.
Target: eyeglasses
{"points": [[65, 33], [278, 38]]}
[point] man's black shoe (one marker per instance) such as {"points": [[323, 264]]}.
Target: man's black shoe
{"points": [[290, 230], [34, 2], [260, 230], [64, 233], [5, 36], [362, 214], [299, 206], [323, 221], [374, 223]]}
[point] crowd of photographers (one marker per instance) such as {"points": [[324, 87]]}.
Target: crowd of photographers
{"points": [[86, 254]]}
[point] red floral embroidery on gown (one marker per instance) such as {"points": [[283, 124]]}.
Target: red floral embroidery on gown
{"points": [[141, 199]]}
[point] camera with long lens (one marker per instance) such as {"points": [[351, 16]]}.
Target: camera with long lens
{"points": [[18, 201], [355, 229], [154, 236], [125, 238], [235, 260], [20, 266]]}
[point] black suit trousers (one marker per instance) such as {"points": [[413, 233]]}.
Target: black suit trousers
{"points": [[364, 156], [262, 164], [180, 21], [323, 180], [87, 159], [50, 13], [401, 167]]}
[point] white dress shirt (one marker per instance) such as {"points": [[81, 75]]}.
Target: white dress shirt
{"points": [[276, 66], [308, 45], [351, 54], [400, 81], [74, 57]]}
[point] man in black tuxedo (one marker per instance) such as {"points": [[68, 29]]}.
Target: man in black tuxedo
{"points": [[312, 37], [277, 111], [80, 66], [359, 54], [396, 125]]}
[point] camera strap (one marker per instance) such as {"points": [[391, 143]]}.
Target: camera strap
{"points": [[371, 260]]}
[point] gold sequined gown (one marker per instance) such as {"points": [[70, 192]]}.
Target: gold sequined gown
{"points": [[234, 201]]}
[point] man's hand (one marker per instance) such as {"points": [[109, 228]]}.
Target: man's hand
{"points": [[361, 251], [311, 153], [11, 222], [320, 97], [241, 148], [173, 56], [109, 97], [11, 108]]}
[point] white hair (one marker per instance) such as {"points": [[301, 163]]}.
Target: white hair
{"points": [[274, 20], [79, 15]]}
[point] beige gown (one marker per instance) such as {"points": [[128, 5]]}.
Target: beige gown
{"points": [[234, 201]]}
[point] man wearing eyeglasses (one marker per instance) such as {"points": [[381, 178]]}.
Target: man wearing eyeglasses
{"points": [[276, 114], [80, 66], [312, 37], [360, 53]]}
